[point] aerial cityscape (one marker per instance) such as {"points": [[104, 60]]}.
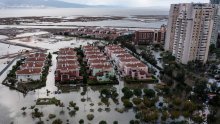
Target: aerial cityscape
{"points": [[110, 62]]}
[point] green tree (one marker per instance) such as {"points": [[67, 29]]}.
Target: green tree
{"points": [[49, 56], [81, 121], [189, 106], [137, 92], [198, 119], [115, 122], [201, 89], [102, 122], [127, 103], [136, 101], [149, 93], [57, 121], [165, 115], [90, 117], [105, 92], [212, 48]]}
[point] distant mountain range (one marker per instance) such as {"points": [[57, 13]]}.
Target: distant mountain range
{"points": [[39, 4]]}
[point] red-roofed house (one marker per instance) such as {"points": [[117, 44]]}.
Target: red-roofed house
{"points": [[37, 55], [28, 74], [40, 59], [102, 72], [138, 70], [67, 66], [29, 65], [67, 73]]}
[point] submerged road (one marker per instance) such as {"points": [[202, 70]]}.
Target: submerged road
{"points": [[9, 64], [22, 45]]}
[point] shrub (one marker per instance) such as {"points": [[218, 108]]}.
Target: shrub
{"points": [[115, 122], [51, 116], [137, 101], [76, 108], [149, 93], [57, 121], [81, 121], [72, 104], [102, 122], [127, 103], [90, 117], [137, 92]]}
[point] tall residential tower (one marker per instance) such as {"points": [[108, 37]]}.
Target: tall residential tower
{"points": [[215, 1], [191, 29]]}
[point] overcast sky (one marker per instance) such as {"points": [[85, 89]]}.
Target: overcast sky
{"points": [[134, 3]]}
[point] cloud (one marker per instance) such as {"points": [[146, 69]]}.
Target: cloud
{"points": [[134, 3]]}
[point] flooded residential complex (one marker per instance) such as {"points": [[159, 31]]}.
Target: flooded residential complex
{"points": [[74, 63]]}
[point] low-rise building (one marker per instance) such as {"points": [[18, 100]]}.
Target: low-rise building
{"points": [[150, 36], [102, 72], [25, 75], [32, 67], [67, 66], [98, 64], [128, 65], [65, 73]]}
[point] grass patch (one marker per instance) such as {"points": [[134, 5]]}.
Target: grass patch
{"points": [[95, 82], [48, 101], [149, 80]]}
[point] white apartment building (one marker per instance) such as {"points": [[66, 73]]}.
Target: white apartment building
{"points": [[191, 29]]}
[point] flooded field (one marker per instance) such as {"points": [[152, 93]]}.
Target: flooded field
{"points": [[54, 43]]}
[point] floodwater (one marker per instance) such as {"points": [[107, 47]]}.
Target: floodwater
{"points": [[107, 23], [12, 101], [54, 43], [130, 21]]}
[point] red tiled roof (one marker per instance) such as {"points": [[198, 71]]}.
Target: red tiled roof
{"points": [[97, 61], [89, 47], [29, 71], [66, 49], [33, 64], [67, 53], [66, 57], [119, 52], [136, 65], [101, 66], [40, 59], [92, 53], [96, 56], [37, 55], [70, 67], [68, 62], [129, 60], [127, 55]]}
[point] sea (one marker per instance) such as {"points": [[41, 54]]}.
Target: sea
{"points": [[82, 12]]}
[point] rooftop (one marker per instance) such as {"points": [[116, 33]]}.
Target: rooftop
{"points": [[101, 66], [135, 65], [33, 64], [29, 71], [39, 59]]}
